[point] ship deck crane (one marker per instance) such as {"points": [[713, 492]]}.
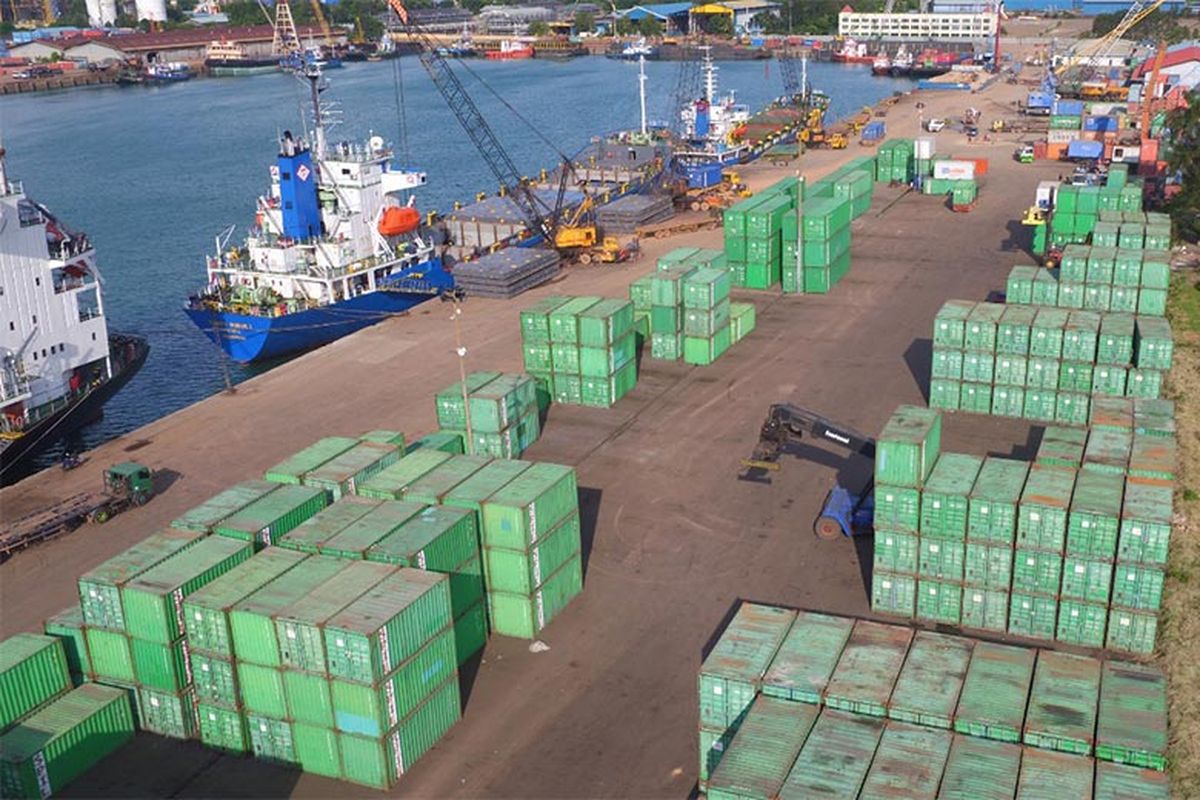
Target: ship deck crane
{"points": [[539, 219]]}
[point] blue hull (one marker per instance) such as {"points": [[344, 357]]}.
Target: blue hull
{"points": [[246, 337]]}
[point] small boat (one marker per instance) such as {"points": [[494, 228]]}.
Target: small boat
{"points": [[463, 48], [298, 60], [632, 51], [882, 65], [168, 72], [224, 59], [853, 52], [510, 50]]}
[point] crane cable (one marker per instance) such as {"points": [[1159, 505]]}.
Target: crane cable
{"points": [[401, 108]]}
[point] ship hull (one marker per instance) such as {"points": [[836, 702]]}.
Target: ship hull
{"points": [[841, 58], [16, 459], [233, 68], [246, 337]]}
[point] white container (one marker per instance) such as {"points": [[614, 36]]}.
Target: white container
{"points": [[924, 147], [153, 10], [954, 170], [1125, 154], [1056, 136]]}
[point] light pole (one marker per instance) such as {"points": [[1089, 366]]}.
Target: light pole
{"points": [[455, 298]]}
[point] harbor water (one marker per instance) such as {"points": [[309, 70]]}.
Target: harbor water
{"points": [[153, 175]]}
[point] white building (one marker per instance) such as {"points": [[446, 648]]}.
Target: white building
{"points": [[95, 52], [53, 336], [917, 27]]}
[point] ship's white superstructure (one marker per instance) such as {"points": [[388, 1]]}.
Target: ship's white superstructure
{"points": [[53, 334], [713, 118]]}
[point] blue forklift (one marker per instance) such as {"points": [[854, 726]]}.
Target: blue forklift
{"points": [[845, 513]]}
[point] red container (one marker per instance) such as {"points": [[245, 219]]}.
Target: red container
{"points": [[1039, 150], [1149, 151]]}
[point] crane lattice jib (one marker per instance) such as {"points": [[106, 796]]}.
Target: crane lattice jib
{"points": [[791, 77], [476, 127], [1138, 11]]}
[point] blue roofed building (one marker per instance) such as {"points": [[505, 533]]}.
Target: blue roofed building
{"points": [[673, 16]]}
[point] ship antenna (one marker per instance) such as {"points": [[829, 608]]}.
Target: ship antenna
{"points": [[642, 89], [804, 78], [312, 73], [710, 75]]}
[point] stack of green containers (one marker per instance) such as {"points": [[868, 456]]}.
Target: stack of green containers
{"points": [[343, 668], [742, 320], [1046, 602], [1043, 364], [753, 243], [821, 236], [503, 411], [294, 468], [52, 745], [1077, 210], [706, 315], [532, 549], [1097, 279], [905, 453], [835, 707], [274, 514], [33, 671], [583, 349], [343, 472], [894, 161]]}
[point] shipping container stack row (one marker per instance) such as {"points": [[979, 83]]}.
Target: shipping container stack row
{"points": [[1071, 547], [1096, 279], [1043, 364], [686, 308], [1077, 209], [801, 704], [902, 161], [503, 412], [581, 350], [894, 162], [52, 729]]}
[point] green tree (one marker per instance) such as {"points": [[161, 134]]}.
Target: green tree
{"points": [[649, 26], [585, 22], [1156, 27], [74, 14], [770, 22], [719, 25], [244, 13], [539, 28], [626, 26], [1184, 158]]}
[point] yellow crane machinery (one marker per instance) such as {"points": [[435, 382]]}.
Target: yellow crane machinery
{"points": [[1079, 74], [577, 230], [320, 15]]}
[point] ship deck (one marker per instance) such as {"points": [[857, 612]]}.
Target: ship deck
{"points": [[672, 539]]}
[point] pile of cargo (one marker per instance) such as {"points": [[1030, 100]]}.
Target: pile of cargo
{"points": [[894, 162], [1097, 279], [1071, 547], [817, 246], [753, 235], [1077, 211], [1041, 363], [500, 410], [800, 704], [52, 730], [627, 214], [335, 648], [506, 273], [582, 350], [686, 307]]}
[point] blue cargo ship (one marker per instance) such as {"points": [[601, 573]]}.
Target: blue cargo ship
{"points": [[337, 245]]}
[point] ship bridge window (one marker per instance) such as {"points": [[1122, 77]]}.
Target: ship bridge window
{"points": [[89, 304], [29, 214]]}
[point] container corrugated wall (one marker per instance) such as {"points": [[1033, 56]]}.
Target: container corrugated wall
{"points": [[33, 670]]}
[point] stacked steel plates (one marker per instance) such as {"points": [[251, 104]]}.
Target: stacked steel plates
{"points": [[507, 273], [632, 211]]}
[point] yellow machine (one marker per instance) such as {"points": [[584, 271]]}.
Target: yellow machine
{"points": [[998, 125], [610, 251], [578, 231], [837, 141], [1034, 215]]}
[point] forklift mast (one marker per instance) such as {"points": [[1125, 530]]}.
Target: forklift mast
{"points": [[787, 424]]}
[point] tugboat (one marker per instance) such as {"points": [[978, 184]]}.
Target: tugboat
{"points": [[59, 366], [168, 72], [634, 51], [709, 123], [224, 58], [510, 50], [853, 52], [337, 245]]}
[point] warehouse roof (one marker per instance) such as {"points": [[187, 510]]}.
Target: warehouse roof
{"points": [[186, 37], [1175, 56], [659, 10]]}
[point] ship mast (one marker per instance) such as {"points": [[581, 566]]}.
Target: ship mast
{"points": [[312, 74], [710, 75], [641, 97]]}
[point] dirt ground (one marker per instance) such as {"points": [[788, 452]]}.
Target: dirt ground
{"points": [[672, 540]]}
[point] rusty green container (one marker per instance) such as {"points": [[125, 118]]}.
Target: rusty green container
{"points": [[868, 668], [908, 447], [356, 539], [732, 674], [100, 587], [762, 752], [944, 500], [293, 469], [308, 536], [1132, 717], [1062, 703], [205, 516], [930, 682], [393, 481], [995, 691], [273, 516]]}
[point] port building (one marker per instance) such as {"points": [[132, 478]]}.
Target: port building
{"points": [[675, 17], [917, 27], [742, 13]]}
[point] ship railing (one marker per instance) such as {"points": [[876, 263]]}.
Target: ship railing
{"points": [[69, 248]]}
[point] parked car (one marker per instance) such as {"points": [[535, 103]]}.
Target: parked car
{"points": [[936, 124]]}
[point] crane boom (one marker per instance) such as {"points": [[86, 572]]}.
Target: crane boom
{"points": [[1138, 11], [475, 125]]}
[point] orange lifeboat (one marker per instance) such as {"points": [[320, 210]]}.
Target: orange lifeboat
{"points": [[397, 220]]}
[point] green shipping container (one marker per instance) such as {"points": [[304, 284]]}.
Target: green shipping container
{"points": [[1045, 290], [214, 678], [894, 593], [988, 566], [518, 513], [64, 740], [1010, 370], [1075, 376], [1042, 518], [100, 588], [153, 601], [163, 667], [451, 404], [978, 769], [535, 320], [393, 481], [908, 763], [206, 611], [308, 536], [1146, 520], [223, 728], [372, 710], [947, 364], [1071, 409], [316, 749], [521, 572], [299, 628], [992, 511], [1081, 624], [992, 702], [357, 539], [1019, 288], [976, 398], [931, 680], [293, 470], [835, 758], [68, 627], [271, 739], [1046, 336], [895, 551], [1095, 515], [978, 367], [1014, 330], [564, 319], [1086, 579], [1137, 586], [703, 351], [1132, 718], [1062, 703], [386, 625], [252, 619], [706, 322], [1120, 782], [985, 608], [1032, 615], [939, 601], [266, 520], [908, 447], [380, 762], [524, 616], [870, 664], [741, 320], [33, 670], [1131, 631], [981, 327], [761, 753], [110, 655], [341, 475], [168, 713], [949, 325], [503, 401], [445, 441], [205, 516], [945, 394], [384, 437], [732, 674], [804, 663], [1037, 571]]}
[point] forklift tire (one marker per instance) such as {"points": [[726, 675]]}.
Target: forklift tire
{"points": [[585, 258], [100, 516], [827, 528]]}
